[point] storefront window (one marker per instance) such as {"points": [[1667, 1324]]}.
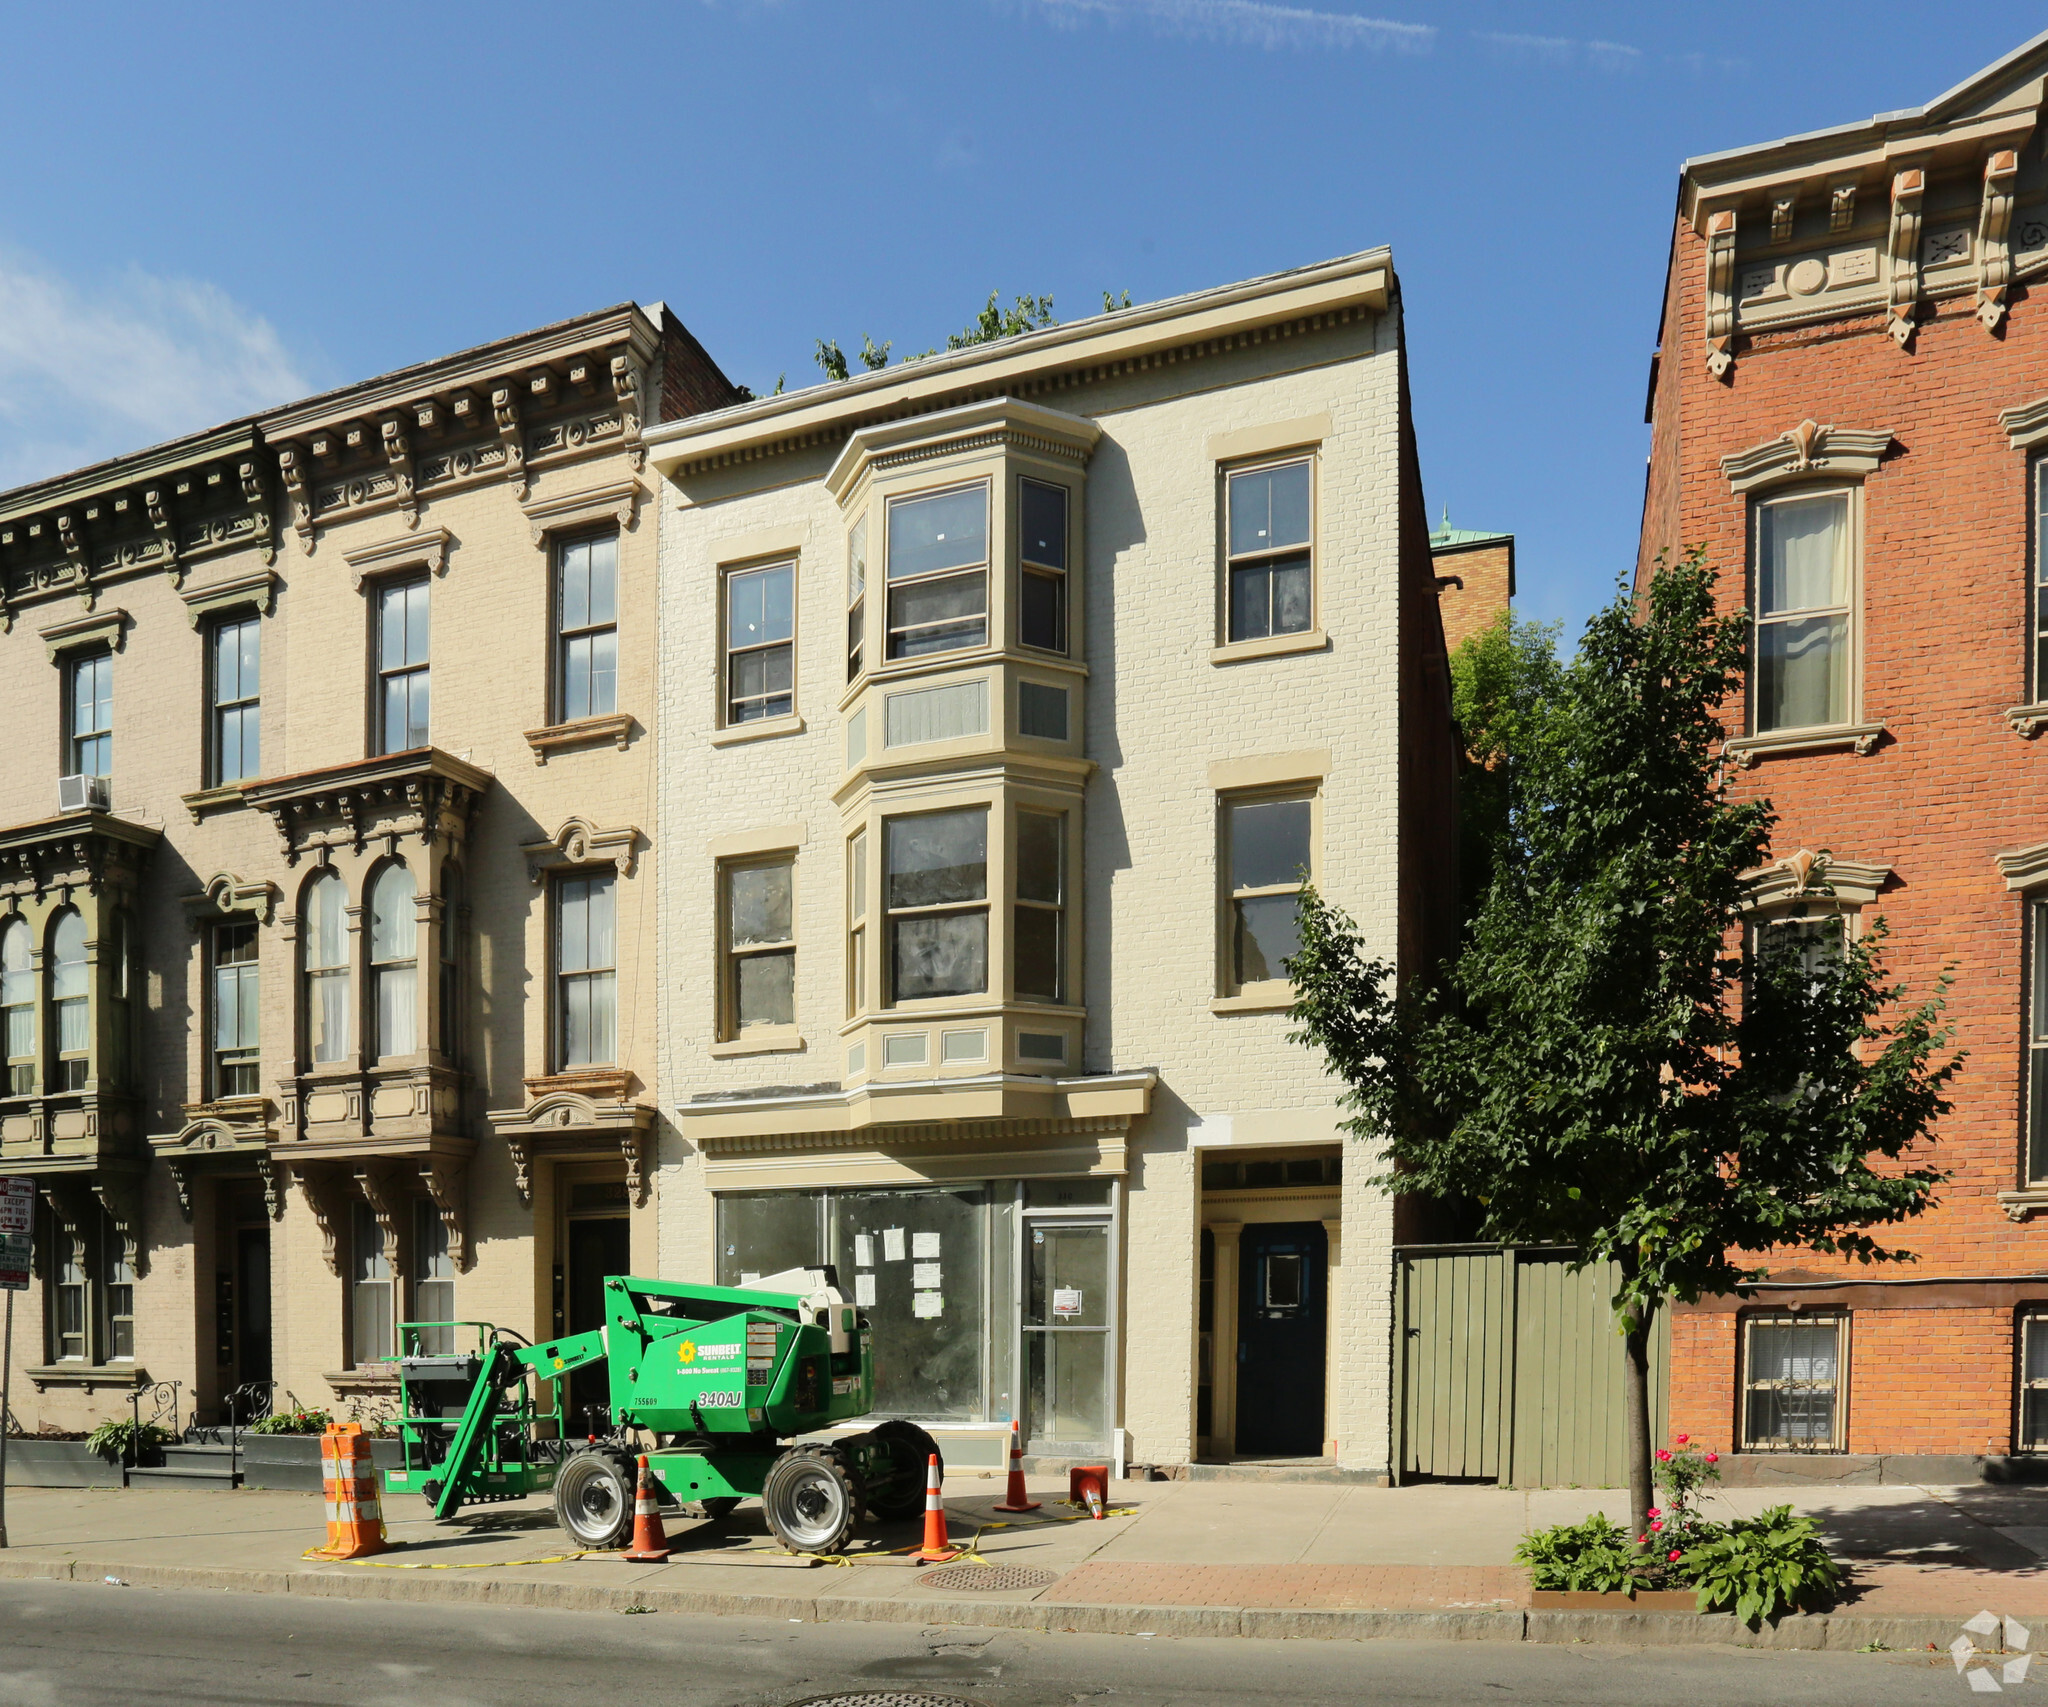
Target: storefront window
{"points": [[1066, 1330]]}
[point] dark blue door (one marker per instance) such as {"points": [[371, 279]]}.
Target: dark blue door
{"points": [[1282, 1295]]}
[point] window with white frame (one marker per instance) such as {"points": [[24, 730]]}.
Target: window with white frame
{"points": [[1792, 1381], [1039, 920], [70, 1299], [70, 1001], [237, 1009], [119, 1295], [2038, 588], [857, 914], [856, 599], [2037, 1043], [1269, 854], [1271, 550], [760, 944], [327, 971], [1804, 610], [89, 714], [394, 960], [18, 1006], [935, 890], [433, 1283], [760, 643], [403, 677], [586, 970], [370, 1313], [587, 627], [1042, 565], [236, 664], [938, 571]]}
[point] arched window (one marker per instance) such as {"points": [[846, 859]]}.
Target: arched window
{"points": [[68, 1000], [18, 1006], [327, 971], [394, 962]]}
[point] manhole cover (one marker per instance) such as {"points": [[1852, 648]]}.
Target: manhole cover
{"points": [[885, 1698], [988, 1579]]}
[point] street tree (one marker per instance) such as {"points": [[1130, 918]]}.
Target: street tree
{"points": [[1616, 1059]]}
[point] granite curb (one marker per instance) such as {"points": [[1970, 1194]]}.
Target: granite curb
{"points": [[1837, 1632]]}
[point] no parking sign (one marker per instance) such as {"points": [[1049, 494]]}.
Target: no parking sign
{"points": [[17, 1218]]}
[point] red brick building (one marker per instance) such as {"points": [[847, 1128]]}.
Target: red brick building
{"points": [[1850, 411]]}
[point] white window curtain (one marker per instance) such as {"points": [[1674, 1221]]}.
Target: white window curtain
{"points": [[327, 969], [68, 983], [394, 960]]}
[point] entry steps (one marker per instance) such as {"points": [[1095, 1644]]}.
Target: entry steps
{"points": [[189, 1466]]}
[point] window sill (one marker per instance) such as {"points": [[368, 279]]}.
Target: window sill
{"points": [[1259, 999], [2018, 1205], [1863, 738], [384, 1380], [616, 728], [81, 1374], [761, 1040], [1273, 646], [765, 730], [213, 800]]}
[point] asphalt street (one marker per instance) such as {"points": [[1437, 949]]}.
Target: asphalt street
{"points": [[63, 1644]]}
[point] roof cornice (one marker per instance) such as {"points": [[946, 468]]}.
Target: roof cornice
{"points": [[826, 413]]}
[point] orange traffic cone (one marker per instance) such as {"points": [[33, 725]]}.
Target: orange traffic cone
{"points": [[1016, 1499], [935, 1551], [650, 1545], [348, 1480]]}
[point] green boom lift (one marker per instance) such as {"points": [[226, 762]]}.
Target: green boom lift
{"points": [[721, 1377]]}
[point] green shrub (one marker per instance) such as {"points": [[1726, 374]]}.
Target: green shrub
{"points": [[1595, 1557], [1764, 1565], [126, 1440], [299, 1420]]}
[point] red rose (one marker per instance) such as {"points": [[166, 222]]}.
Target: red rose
{"points": [[1663, 1457], [1683, 1438], [1713, 1458], [1655, 1527], [1674, 1556]]}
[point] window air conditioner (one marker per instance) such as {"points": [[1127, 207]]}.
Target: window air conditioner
{"points": [[85, 794]]}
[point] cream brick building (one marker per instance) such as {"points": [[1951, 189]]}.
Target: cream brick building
{"points": [[337, 1008], [1005, 695]]}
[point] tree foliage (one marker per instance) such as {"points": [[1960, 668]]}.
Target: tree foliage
{"points": [[1601, 1065]]}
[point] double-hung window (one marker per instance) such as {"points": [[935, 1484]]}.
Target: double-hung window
{"points": [[760, 944], [1271, 550], [369, 1288], [70, 1320], [2037, 1044], [89, 696], [1269, 846], [119, 1294], [857, 932], [237, 707], [938, 571], [69, 1002], [402, 673], [587, 627], [2032, 1431], [1792, 1382], [433, 1285], [1040, 916], [1042, 559], [935, 888], [394, 960], [760, 643], [236, 1007], [856, 599], [586, 975], [1803, 611], [327, 970], [18, 1006]]}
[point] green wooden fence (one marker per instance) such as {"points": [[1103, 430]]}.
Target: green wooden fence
{"points": [[1510, 1369]]}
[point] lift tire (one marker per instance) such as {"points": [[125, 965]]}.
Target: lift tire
{"points": [[900, 1454], [594, 1498], [720, 1507], [813, 1497]]}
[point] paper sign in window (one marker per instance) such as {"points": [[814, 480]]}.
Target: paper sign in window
{"points": [[925, 1305], [864, 1250], [924, 1245], [892, 1244], [1066, 1300], [864, 1291], [925, 1275]]}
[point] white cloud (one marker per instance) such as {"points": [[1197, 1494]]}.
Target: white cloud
{"points": [[1561, 50], [87, 373], [1254, 23]]}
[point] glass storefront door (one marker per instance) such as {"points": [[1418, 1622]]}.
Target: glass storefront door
{"points": [[1068, 1341]]}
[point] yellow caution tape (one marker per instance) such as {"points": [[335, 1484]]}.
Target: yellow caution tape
{"points": [[456, 1564]]}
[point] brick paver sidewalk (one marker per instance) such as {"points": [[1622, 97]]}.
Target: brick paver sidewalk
{"points": [[1382, 1588]]}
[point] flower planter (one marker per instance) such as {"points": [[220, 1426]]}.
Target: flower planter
{"points": [[291, 1462], [35, 1463], [1643, 1600]]}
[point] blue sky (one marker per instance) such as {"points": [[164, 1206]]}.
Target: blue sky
{"points": [[212, 208]]}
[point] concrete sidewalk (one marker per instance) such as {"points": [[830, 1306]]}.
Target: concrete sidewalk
{"points": [[1193, 1558]]}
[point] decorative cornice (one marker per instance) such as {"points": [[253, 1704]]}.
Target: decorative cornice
{"points": [[428, 550], [563, 1122], [615, 727], [108, 628], [425, 793], [1798, 876], [78, 850], [226, 893], [1805, 450], [1721, 292], [257, 591], [579, 842], [617, 502], [1994, 223], [2025, 424], [1010, 1130], [2024, 868], [1902, 245], [1861, 738]]}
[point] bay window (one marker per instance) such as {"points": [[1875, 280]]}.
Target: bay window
{"points": [[69, 1001], [936, 894], [18, 1006], [938, 571], [394, 960], [856, 598], [1039, 917], [328, 980], [1042, 555]]}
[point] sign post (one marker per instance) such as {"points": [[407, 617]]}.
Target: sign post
{"points": [[17, 1227]]}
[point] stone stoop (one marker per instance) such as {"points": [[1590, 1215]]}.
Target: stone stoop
{"points": [[189, 1466]]}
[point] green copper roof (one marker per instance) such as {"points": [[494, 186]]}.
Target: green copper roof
{"points": [[1445, 534]]}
